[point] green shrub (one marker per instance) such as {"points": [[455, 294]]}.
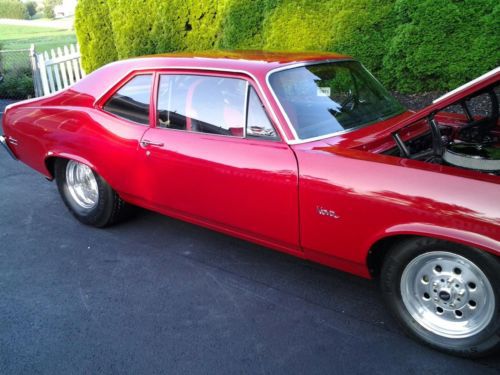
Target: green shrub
{"points": [[439, 44], [16, 84], [14, 9], [94, 33], [359, 28], [362, 29], [146, 27], [244, 22], [159, 26], [299, 25], [412, 45]]}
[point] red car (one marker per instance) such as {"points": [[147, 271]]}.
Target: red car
{"points": [[304, 153]]}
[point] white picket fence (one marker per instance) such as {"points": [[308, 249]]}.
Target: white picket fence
{"points": [[56, 70]]}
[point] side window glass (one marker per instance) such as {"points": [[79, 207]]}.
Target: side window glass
{"points": [[131, 102], [213, 105], [171, 106], [258, 124]]}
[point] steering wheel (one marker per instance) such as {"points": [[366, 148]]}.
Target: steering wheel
{"points": [[349, 103]]}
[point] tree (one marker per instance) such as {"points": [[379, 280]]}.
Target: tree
{"points": [[48, 7], [31, 8], [13, 9]]}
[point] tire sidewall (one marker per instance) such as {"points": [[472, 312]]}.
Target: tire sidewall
{"points": [[478, 345]]}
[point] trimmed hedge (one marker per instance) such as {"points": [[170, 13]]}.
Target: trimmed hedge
{"points": [[358, 28], [412, 45], [95, 35], [13, 9], [146, 26], [442, 41], [151, 26], [244, 24]]}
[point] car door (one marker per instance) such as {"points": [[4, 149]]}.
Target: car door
{"points": [[214, 156]]}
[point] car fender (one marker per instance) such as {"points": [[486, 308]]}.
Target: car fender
{"points": [[429, 230], [66, 155]]}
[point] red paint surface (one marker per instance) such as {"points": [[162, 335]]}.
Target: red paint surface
{"points": [[263, 191]]}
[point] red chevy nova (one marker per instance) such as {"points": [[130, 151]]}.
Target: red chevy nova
{"points": [[304, 153]]}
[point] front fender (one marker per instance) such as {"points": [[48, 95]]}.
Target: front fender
{"points": [[448, 234]]}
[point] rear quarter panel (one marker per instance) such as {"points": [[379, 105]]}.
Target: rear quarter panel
{"points": [[107, 144]]}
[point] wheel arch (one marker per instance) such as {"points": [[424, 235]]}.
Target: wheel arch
{"points": [[379, 248], [51, 157]]}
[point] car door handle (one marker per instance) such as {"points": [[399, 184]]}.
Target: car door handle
{"points": [[145, 143]]}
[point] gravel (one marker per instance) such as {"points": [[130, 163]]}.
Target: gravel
{"points": [[417, 101], [479, 105]]}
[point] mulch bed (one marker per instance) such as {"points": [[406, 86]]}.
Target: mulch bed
{"points": [[479, 105], [417, 101]]}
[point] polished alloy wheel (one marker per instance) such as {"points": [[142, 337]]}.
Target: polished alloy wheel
{"points": [[82, 184], [447, 294]]}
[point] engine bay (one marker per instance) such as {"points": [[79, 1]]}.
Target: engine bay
{"points": [[465, 134]]}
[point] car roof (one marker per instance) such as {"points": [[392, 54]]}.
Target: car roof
{"points": [[249, 56], [254, 63]]}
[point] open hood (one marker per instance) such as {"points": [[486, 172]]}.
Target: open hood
{"points": [[460, 129], [455, 96]]}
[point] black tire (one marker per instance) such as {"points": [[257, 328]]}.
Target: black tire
{"points": [[479, 344], [108, 210]]}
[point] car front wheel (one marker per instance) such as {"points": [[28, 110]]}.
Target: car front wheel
{"points": [[445, 295], [87, 195]]}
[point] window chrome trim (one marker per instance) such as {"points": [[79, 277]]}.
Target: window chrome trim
{"points": [[297, 139], [245, 110], [215, 70]]}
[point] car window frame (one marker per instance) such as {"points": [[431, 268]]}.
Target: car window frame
{"points": [[122, 83], [247, 107], [218, 74]]}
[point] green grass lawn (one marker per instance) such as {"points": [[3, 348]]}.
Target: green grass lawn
{"points": [[44, 38]]}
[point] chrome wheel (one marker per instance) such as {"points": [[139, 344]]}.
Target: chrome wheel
{"points": [[82, 184], [447, 294]]}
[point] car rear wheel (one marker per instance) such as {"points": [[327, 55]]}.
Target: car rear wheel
{"points": [[445, 295], [87, 195]]}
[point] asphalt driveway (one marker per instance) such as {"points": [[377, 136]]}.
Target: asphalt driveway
{"points": [[156, 295]]}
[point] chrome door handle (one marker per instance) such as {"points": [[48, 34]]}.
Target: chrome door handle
{"points": [[145, 143]]}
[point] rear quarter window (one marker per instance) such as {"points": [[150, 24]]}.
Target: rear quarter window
{"points": [[131, 102]]}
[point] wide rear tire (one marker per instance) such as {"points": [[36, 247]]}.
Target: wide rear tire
{"points": [[445, 295], [87, 195]]}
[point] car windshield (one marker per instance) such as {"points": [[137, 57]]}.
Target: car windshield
{"points": [[326, 98]]}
